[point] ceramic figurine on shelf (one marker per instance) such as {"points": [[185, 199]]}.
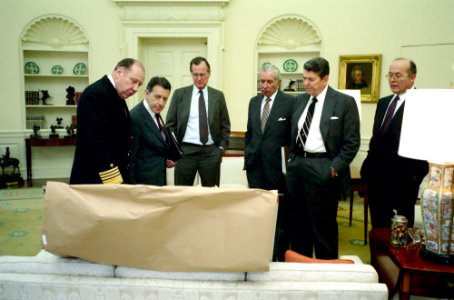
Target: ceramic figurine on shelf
{"points": [[290, 88], [53, 134], [59, 121], [35, 134], [45, 97], [70, 95], [70, 131]]}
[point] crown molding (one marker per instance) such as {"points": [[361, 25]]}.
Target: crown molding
{"points": [[171, 2], [172, 10]]}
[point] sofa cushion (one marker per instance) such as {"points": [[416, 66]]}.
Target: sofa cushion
{"points": [[38, 286], [48, 263], [301, 272], [126, 272]]}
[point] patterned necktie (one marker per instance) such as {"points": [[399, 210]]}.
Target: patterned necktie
{"points": [[389, 115], [203, 121], [161, 127], [304, 132], [265, 113]]}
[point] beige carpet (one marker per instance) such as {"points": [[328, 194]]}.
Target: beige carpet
{"points": [[21, 218]]}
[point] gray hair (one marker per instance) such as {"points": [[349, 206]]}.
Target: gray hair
{"points": [[268, 67]]}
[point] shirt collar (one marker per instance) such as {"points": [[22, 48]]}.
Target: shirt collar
{"points": [[148, 108], [271, 97], [195, 90], [321, 97], [111, 79]]}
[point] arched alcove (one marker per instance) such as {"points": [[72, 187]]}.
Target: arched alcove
{"points": [[289, 33], [287, 42], [54, 31]]}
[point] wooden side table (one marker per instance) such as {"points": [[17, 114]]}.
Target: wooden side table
{"points": [[43, 142], [403, 269]]}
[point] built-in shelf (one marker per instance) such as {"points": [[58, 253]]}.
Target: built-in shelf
{"points": [[57, 49]]}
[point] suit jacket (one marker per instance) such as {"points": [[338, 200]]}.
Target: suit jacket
{"points": [[218, 115], [148, 160], [382, 158], [103, 133], [340, 129], [264, 149]]}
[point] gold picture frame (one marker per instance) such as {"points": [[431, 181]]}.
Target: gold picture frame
{"points": [[361, 72]]}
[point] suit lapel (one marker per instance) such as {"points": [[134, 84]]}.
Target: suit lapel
{"points": [[150, 125], [397, 118], [256, 110], [327, 111], [381, 111], [211, 105], [303, 99], [185, 107]]}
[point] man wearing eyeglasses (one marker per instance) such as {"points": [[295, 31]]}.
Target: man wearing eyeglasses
{"points": [[198, 115], [392, 180]]}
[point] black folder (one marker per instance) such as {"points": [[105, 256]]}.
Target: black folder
{"points": [[174, 152]]}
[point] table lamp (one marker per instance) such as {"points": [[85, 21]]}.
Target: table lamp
{"points": [[427, 134]]}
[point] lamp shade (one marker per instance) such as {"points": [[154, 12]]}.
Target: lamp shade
{"points": [[428, 125]]}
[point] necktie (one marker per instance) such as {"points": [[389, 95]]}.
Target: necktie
{"points": [[203, 122], [265, 113], [304, 132], [389, 115], [161, 127]]}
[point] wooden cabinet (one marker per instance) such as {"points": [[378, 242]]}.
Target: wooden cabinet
{"points": [[55, 57]]}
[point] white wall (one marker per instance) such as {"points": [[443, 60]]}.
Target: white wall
{"points": [[386, 27]]}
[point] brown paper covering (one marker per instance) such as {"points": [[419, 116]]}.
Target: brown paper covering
{"points": [[161, 228]]}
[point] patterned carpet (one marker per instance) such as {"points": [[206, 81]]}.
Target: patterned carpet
{"points": [[21, 217]]}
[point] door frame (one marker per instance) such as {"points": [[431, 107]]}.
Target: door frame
{"points": [[213, 32]]}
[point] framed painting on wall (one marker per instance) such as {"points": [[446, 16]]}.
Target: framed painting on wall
{"points": [[361, 72]]}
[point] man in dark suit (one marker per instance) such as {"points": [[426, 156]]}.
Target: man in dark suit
{"points": [[103, 126], [325, 139], [268, 129], [392, 180], [198, 114], [150, 140]]}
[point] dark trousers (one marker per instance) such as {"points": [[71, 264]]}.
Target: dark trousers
{"points": [[203, 159], [388, 193], [313, 207], [257, 180]]}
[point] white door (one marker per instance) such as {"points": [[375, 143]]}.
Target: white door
{"points": [[170, 58]]}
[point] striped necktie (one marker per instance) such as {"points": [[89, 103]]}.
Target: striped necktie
{"points": [[265, 113], [304, 132]]}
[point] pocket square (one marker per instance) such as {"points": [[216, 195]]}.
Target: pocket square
{"points": [[334, 118], [282, 119]]}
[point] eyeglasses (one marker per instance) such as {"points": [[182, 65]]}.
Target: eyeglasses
{"points": [[396, 76], [201, 75]]}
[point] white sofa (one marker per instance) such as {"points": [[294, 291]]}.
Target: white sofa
{"points": [[47, 276]]}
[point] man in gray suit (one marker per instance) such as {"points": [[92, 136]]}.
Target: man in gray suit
{"points": [[325, 139], [150, 140], [199, 117]]}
